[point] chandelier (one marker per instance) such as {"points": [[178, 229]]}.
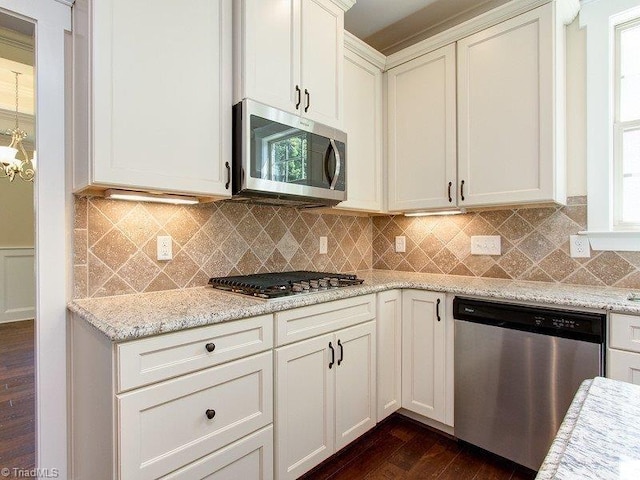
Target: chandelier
{"points": [[10, 165]]}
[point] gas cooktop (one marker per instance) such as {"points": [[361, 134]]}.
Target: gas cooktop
{"points": [[278, 285]]}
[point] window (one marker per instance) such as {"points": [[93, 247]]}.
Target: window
{"points": [[288, 158], [613, 123], [627, 126]]}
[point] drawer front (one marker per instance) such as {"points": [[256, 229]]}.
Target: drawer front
{"points": [[164, 427], [624, 332], [156, 359], [306, 322], [623, 366], [250, 458]]}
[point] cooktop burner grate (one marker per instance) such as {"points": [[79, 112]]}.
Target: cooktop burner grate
{"points": [[274, 285]]}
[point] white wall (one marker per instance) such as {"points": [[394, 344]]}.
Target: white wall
{"points": [[17, 284], [576, 110]]}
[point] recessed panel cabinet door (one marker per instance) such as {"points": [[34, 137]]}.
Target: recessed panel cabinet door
{"points": [[304, 405], [269, 58], [421, 96], [161, 117], [424, 354], [505, 112], [389, 352], [322, 59], [355, 382]]}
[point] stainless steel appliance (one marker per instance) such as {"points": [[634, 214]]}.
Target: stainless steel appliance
{"points": [[278, 285], [285, 159], [517, 369]]}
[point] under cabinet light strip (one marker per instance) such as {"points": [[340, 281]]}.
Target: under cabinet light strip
{"points": [[430, 214], [149, 197]]}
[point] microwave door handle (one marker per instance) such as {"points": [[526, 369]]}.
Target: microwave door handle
{"points": [[336, 172]]}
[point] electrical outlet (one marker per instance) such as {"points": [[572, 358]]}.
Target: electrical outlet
{"points": [[486, 245], [324, 245], [165, 250], [401, 244], [579, 246]]}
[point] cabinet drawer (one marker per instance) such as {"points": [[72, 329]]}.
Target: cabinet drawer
{"points": [[306, 322], [624, 332], [155, 359], [249, 458], [623, 366], [165, 427]]}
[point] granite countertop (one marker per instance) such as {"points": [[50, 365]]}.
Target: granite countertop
{"points": [[600, 435], [128, 317]]}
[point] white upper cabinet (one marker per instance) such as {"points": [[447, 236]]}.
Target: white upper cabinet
{"points": [[152, 95], [363, 122], [289, 55], [421, 112], [507, 120]]}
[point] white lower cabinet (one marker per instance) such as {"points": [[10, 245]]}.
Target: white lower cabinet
{"points": [[426, 347], [206, 412], [325, 396], [389, 354], [623, 354]]}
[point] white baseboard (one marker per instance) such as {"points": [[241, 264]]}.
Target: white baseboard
{"points": [[17, 284]]}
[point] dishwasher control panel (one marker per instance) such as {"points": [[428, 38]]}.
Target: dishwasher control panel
{"points": [[563, 323]]}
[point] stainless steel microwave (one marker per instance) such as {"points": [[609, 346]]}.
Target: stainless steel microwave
{"points": [[284, 159]]}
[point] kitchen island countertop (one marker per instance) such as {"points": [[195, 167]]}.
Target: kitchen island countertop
{"points": [[600, 435], [128, 317]]}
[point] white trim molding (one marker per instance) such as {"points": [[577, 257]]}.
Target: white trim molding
{"points": [[360, 48], [17, 284], [600, 18]]}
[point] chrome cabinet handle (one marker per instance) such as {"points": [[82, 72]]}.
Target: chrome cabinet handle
{"points": [[299, 95], [333, 356], [449, 192], [438, 309], [308, 95], [462, 190], [341, 352], [210, 413], [336, 172], [226, 185]]}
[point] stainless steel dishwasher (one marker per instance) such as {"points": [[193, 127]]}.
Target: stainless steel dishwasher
{"points": [[517, 369]]}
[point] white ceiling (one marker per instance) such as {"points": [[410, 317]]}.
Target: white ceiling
{"points": [[369, 16]]}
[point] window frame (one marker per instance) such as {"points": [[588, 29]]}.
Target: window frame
{"points": [[601, 17]]}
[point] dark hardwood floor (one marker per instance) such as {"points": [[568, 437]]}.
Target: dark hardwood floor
{"points": [[399, 448], [17, 395]]}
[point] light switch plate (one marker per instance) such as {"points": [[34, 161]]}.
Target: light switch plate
{"points": [[401, 244], [486, 245], [165, 250], [324, 245], [579, 246]]}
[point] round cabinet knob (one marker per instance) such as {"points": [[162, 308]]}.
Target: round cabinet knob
{"points": [[210, 414], [210, 347]]}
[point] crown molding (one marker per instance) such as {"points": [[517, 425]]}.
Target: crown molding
{"points": [[344, 4], [567, 10], [362, 49], [67, 2]]}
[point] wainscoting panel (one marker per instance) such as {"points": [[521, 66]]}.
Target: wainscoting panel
{"points": [[17, 284]]}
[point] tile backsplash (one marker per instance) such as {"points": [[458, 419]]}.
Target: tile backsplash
{"points": [[115, 245], [535, 246]]}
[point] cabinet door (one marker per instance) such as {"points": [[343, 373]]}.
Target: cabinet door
{"points": [[424, 354], [162, 119], [363, 124], [623, 366], [421, 97], [304, 405], [322, 59], [505, 111], [355, 382], [268, 52], [389, 352]]}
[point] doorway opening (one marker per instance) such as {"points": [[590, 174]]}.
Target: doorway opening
{"points": [[17, 246]]}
